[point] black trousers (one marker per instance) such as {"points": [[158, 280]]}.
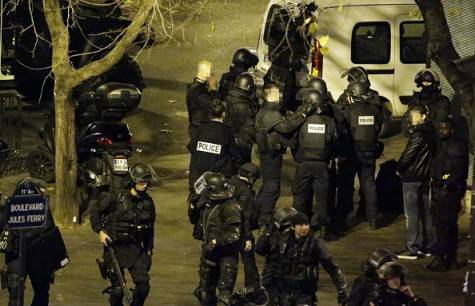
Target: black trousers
{"points": [[312, 177], [217, 272], [251, 272], [446, 207], [363, 164], [40, 282], [271, 167], [138, 263]]}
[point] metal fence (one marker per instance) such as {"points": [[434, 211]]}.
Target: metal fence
{"points": [[11, 132]]}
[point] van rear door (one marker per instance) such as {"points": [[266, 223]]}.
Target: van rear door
{"points": [[410, 57]]}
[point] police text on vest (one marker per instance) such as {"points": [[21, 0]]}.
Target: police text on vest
{"points": [[316, 128], [208, 147], [365, 120]]}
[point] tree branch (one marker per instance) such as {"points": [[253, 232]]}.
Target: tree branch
{"points": [[98, 67]]}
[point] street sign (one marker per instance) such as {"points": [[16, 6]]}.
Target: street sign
{"points": [[26, 211]]}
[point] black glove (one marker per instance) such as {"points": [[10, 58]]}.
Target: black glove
{"points": [[342, 297]]}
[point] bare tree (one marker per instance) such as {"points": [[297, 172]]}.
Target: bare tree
{"points": [[142, 14]]}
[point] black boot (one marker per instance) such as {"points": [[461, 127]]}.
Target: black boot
{"points": [[439, 264]]}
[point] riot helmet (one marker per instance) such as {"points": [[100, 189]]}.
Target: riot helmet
{"points": [[217, 187], [314, 97], [283, 217], [392, 269], [358, 92], [245, 82], [318, 84], [244, 58], [142, 173], [357, 73], [381, 256], [250, 171]]}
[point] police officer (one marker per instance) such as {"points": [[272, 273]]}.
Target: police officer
{"points": [[199, 96], [243, 60], [394, 291], [268, 245], [366, 286], [364, 121], [37, 269], [241, 110], [317, 142], [221, 224], [125, 221], [214, 147], [449, 169], [430, 97], [248, 174], [301, 253], [273, 134]]}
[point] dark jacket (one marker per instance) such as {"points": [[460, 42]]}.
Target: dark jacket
{"points": [[449, 167], [414, 163], [125, 218], [222, 220], [227, 80], [213, 149], [299, 262], [198, 101], [241, 112], [245, 196], [390, 297], [273, 130]]}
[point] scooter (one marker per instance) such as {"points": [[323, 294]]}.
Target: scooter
{"points": [[104, 142]]}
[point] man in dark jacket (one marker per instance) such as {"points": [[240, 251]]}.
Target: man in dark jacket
{"points": [[221, 224], [125, 222], [248, 174], [214, 147], [199, 97], [243, 59], [241, 110], [449, 170], [414, 167], [364, 121], [317, 142], [273, 134], [301, 253]]}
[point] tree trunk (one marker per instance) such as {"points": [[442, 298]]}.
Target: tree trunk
{"points": [[66, 206]]}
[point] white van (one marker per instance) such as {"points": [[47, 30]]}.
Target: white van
{"points": [[383, 36]]}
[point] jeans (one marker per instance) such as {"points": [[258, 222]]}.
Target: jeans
{"points": [[418, 216]]}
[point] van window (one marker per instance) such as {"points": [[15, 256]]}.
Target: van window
{"points": [[371, 43], [412, 42]]}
